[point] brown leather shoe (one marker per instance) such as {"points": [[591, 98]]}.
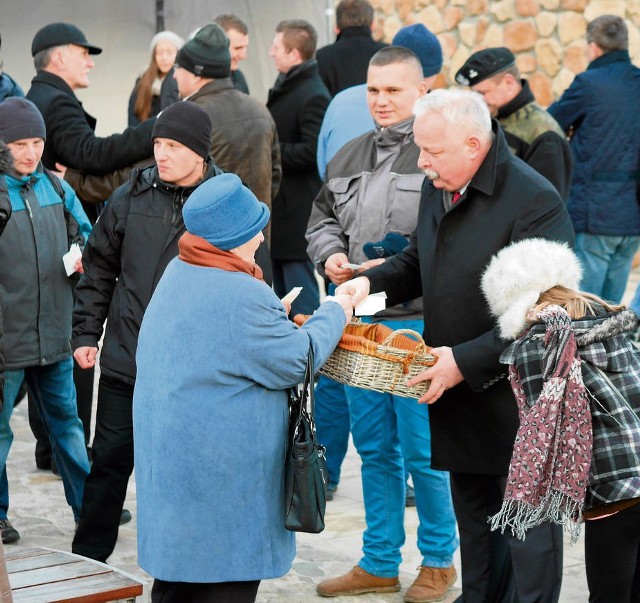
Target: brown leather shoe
{"points": [[432, 584], [357, 582]]}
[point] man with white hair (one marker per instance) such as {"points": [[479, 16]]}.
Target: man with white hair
{"points": [[480, 199]]}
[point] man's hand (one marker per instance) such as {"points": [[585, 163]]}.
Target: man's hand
{"points": [[86, 356], [60, 170], [358, 289], [78, 266], [443, 375], [371, 263], [332, 268]]}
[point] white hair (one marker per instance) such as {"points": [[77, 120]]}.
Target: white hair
{"points": [[458, 107]]}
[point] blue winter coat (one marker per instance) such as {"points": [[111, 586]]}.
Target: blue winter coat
{"points": [[215, 355], [601, 108]]}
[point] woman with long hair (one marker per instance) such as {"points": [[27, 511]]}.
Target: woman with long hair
{"points": [[156, 89], [575, 373]]}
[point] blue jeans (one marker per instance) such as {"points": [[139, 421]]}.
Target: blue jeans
{"points": [[51, 389], [606, 263], [290, 273], [390, 433], [331, 412]]}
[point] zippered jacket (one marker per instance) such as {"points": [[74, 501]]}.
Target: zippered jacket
{"points": [[36, 293], [131, 244]]}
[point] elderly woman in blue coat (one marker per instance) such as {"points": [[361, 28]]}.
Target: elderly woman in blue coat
{"points": [[215, 358]]}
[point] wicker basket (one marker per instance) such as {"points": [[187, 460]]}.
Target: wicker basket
{"points": [[373, 356]]}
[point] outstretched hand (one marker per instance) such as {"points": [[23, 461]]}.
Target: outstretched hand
{"points": [[444, 374]]}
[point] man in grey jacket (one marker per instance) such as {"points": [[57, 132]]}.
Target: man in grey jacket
{"points": [[371, 194]]}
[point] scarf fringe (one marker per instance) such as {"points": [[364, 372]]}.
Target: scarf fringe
{"points": [[556, 507]]}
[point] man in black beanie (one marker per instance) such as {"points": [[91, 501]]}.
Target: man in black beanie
{"points": [[127, 253], [244, 140]]}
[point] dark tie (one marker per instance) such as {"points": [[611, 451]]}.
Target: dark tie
{"points": [[455, 197]]}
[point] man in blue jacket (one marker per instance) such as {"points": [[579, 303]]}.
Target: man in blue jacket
{"points": [[599, 112], [37, 300]]}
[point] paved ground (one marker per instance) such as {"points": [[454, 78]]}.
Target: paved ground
{"points": [[40, 513]]}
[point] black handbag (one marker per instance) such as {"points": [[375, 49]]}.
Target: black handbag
{"points": [[306, 467]]}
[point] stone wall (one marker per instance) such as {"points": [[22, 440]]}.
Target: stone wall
{"points": [[547, 36]]}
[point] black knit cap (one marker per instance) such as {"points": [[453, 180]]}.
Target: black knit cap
{"points": [[207, 53], [485, 64], [60, 34], [187, 124]]}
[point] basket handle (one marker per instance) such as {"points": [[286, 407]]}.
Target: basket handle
{"points": [[415, 335]]}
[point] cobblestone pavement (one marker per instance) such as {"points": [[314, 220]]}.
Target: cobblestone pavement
{"points": [[40, 513]]}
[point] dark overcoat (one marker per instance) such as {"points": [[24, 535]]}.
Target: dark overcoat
{"points": [[345, 62], [297, 103], [473, 424], [71, 139]]}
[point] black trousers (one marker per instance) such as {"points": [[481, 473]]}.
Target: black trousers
{"points": [[106, 485], [498, 568], [612, 557], [219, 592]]}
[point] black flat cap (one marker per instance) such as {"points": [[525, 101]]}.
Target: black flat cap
{"points": [[484, 64], [60, 34]]}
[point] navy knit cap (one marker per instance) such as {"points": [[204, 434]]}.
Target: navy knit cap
{"points": [[485, 64], [225, 212], [423, 44], [20, 119], [188, 124], [207, 53]]}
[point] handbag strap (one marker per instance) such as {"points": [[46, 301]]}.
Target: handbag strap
{"points": [[308, 389], [305, 396]]}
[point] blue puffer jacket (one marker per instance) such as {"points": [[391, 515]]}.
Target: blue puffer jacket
{"points": [[601, 107]]}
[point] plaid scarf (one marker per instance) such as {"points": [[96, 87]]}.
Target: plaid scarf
{"points": [[549, 468]]}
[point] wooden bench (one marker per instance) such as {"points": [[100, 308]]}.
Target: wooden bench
{"points": [[41, 575]]}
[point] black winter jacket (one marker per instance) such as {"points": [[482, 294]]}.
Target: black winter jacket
{"points": [[71, 140], [131, 245], [473, 425], [345, 62], [297, 103]]}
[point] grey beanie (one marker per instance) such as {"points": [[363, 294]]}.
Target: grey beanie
{"points": [[20, 119], [207, 53]]}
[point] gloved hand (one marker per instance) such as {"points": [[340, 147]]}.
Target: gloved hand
{"points": [[392, 244]]}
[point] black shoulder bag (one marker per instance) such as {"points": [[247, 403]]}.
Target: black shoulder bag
{"points": [[306, 467]]}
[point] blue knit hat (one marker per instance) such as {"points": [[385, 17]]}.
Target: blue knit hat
{"points": [[225, 212], [423, 44]]}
